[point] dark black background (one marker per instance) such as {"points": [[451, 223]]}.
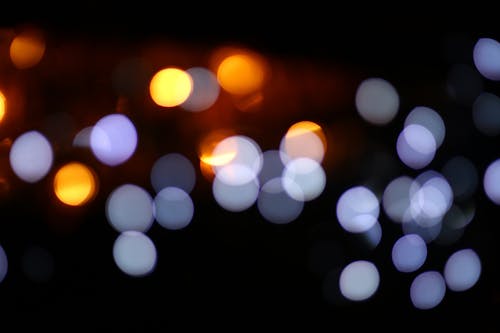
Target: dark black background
{"points": [[235, 269]]}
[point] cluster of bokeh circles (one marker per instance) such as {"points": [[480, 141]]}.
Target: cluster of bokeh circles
{"points": [[433, 206]]}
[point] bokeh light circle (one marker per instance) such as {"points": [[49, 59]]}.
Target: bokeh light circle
{"points": [[462, 270], [134, 253], [359, 280], [377, 101], [75, 184], [113, 139], [31, 156]]}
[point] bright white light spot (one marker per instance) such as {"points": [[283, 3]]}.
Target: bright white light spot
{"points": [[31, 156], [304, 179], [173, 170], [235, 174], [359, 280], [205, 90], [113, 139], [275, 205], [4, 264], [462, 270], [491, 181], [462, 176], [245, 150], [134, 253], [235, 198], [377, 101], [430, 198], [357, 209], [487, 58], [429, 119], [486, 114], [396, 198], [173, 208], [427, 290], [416, 146], [409, 253], [130, 207]]}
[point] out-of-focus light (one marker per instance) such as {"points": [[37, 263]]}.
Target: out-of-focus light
{"points": [[173, 208], [409, 253], [241, 74], [238, 150], [377, 101], [359, 280], [429, 119], [75, 184], [4, 264], [357, 209], [486, 56], [31, 156], [173, 170], [134, 253], [272, 166], [427, 290], [396, 198], [130, 207], [235, 198], [427, 232], [113, 139], [170, 87], [2, 106], [462, 176], [303, 139], [453, 224], [235, 174], [486, 114], [205, 91], [205, 152], [275, 205], [27, 49], [82, 138], [464, 84], [491, 181], [416, 146], [38, 264], [304, 179], [462, 270], [372, 236], [430, 198]]}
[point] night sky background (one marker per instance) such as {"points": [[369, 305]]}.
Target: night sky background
{"points": [[226, 269]]}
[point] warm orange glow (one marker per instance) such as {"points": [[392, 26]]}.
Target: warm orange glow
{"points": [[170, 87], [219, 159], [241, 74], [2, 106], [305, 139], [207, 171], [208, 161], [74, 184], [27, 49]]}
